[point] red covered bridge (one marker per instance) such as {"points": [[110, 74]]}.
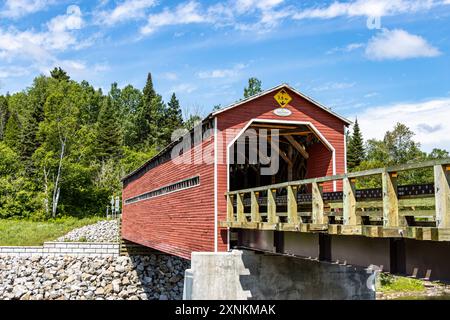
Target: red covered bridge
{"points": [[175, 203], [219, 186]]}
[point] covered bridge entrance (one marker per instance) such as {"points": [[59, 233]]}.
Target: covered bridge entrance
{"points": [[176, 200]]}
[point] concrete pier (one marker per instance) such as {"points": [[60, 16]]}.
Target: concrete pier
{"points": [[246, 275]]}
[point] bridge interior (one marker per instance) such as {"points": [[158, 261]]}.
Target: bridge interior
{"points": [[248, 154]]}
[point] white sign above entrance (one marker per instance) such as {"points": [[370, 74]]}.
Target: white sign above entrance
{"points": [[282, 112]]}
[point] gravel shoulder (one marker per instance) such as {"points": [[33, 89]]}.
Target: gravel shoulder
{"points": [[102, 231]]}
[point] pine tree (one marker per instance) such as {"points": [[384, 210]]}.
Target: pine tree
{"points": [[13, 133], [4, 115], [157, 126], [355, 151], [28, 144], [35, 101], [149, 118], [254, 87], [59, 74], [173, 118], [109, 135], [144, 114]]}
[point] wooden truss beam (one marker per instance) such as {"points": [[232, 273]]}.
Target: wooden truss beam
{"points": [[298, 146]]}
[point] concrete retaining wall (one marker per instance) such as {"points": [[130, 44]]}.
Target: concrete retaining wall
{"points": [[241, 275], [64, 248]]}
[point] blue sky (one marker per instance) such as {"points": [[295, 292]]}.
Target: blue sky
{"points": [[383, 61]]}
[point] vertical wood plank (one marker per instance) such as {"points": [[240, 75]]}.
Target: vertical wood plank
{"points": [[240, 208], [391, 217], [442, 195], [256, 216], [230, 209], [290, 164], [349, 205], [271, 207], [292, 204], [318, 216]]}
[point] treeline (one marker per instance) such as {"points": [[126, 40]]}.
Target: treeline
{"points": [[65, 145], [397, 147]]}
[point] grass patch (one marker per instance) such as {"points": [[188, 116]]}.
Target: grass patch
{"points": [[31, 233], [390, 283]]}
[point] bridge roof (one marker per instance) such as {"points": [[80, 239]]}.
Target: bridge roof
{"points": [[212, 115], [276, 88]]}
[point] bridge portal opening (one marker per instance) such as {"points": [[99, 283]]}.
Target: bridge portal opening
{"points": [[302, 153]]}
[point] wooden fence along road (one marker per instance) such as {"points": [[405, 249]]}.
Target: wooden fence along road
{"points": [[420, 212]]}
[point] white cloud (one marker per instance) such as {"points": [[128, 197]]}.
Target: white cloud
{"points": [[39, 50], [424, 118], [367, 8], [19, 8], [247, 5], [38, 46], [59, 35], [184, 13], [13, 71], [72, 20], [399, 44], [261, 16], [371, 95], [221, 73], [334, 86], [264, 15], [348, 48], [125, 11], [183, 88], [172, 76]]}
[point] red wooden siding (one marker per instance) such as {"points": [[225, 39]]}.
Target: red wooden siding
{"points": [[328, 125], [179, 222], [183, 221]]}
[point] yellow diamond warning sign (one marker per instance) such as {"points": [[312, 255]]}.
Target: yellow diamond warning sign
{"points": [[283, 98]]}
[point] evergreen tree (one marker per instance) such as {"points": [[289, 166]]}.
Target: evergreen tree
{"points": [[149, 117], [157, 126], [28, 144], [130, 103], [4, 115], [254, 87], [35, 101], [109, 135], [13, 134], [355, 151], [144, 114], [173, 118], [59, 74]]}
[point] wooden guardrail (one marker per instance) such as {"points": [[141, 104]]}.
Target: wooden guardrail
{"points": [[419, 212]]}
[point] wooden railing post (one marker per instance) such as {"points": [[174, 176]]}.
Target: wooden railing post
{"points": [[349, 205], [442, 195], [292, 204], [318, 216], [240, 208], [230, 209], [391, 216], [272, 207], [255, 215]]}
